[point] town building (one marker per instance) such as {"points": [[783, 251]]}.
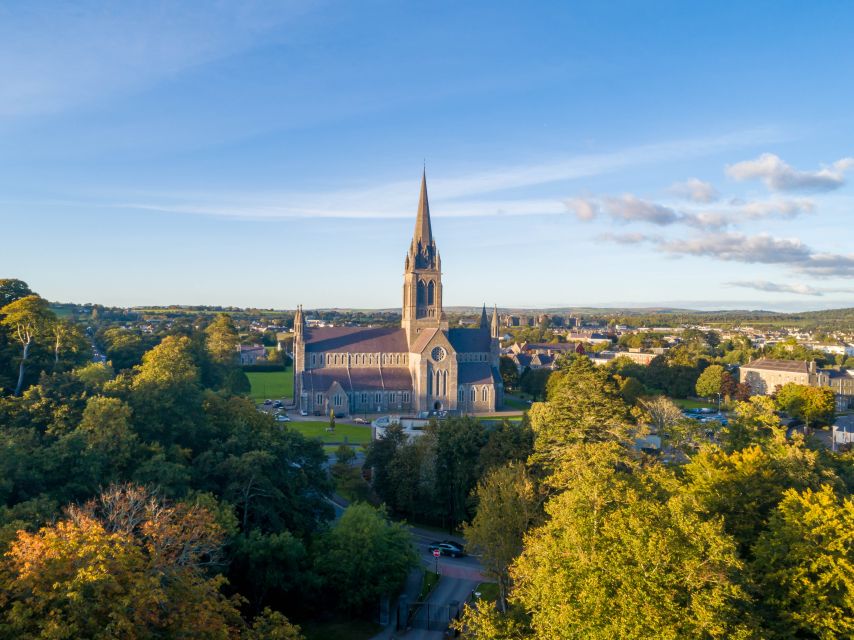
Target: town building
{"points": [[419, 367], [765, 375]]}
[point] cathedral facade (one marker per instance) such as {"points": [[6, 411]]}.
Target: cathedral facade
{"points": [[422, 366]]}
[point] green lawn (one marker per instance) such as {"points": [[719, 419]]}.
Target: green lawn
{"points": [[355, 434], [683, 403], [511, 402], [339, 629], [271, 384], [488, 591]]}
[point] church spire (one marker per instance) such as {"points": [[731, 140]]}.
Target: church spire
{"points": [[494, 327], [423, 231], [484, 321]]}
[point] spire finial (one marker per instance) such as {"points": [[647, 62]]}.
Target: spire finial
{"points": [[423, 230]]}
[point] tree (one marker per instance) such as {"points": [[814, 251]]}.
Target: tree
{"points": [[125, 565], [506, 507], [810, 404], [755, 421], [12, 289], [68, 339], [534, 382], [365, 556], [509, 373], [106, 428], [26, 319], [583, 405], [711, 381], [622, 553], [744, 487], [803, 561]]}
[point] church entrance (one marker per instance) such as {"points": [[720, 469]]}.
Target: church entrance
{"points": [[437, 406]]}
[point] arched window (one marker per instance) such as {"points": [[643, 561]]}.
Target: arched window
{"points": [[421, 296], [461, 394], [473, 394], [431, 292], [484, 395]]}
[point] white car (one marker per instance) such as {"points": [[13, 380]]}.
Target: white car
{"points": [[303, 412], [282, 418]]}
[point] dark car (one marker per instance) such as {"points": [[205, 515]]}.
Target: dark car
{"points": [[448, 548]]}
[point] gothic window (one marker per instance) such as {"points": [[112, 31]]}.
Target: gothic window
{"points": [[422, 294], [431, 291], [484, 394], [364, 398], [312, 360], [473, 394], [461, 394]]}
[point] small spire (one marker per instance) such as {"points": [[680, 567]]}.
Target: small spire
{"points": [[484, 321]]}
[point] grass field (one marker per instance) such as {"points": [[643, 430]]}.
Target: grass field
{"points": [[513, 402], [488, 591], [271, 384], [355, 434], [683, 403]]}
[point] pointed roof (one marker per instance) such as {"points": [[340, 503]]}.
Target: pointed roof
{"points": [[423, 230], [484, 321]]}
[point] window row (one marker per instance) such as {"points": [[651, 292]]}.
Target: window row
{"points": [[343, 359]]}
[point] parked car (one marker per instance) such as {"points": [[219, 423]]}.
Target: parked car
{"points": [[282, 418], [267, 402], [361, 421], [303, 412], [448, 548]]}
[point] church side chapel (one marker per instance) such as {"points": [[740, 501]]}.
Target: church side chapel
{"points": [[422, 366]]}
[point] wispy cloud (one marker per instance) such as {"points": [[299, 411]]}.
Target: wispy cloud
{"points": [[59, 55], [796, 288], [779, 176], [486, 192], [695, 190]]}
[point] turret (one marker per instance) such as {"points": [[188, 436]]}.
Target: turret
{"points": [[494, 325], [484, 321], [299, 324]]}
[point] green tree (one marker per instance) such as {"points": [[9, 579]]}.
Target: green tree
{"points": [[711, 381], [623, 553], [804, 564], [810, 404], [12, 289], [106, 429], [509, 373], [506, 506], [222, 339], [26, 319], [583, 405], [364, 556]]}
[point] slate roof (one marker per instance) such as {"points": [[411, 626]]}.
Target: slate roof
{"points": [[474, 373], [470, 340], [358, 379], [356, 340], [424, 337], [768, 364]]}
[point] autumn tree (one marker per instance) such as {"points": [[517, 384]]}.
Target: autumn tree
{"points": [[810, 404], [125, 565]]}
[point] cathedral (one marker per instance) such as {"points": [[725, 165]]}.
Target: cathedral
{"points": [[422, 366]]}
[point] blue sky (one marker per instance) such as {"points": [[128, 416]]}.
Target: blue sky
{"points": [[269, 154]]}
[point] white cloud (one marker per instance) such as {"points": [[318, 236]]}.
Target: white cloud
{"points": [[779, 176], [695, 190], [625, 208]]}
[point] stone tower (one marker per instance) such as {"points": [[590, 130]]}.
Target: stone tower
{"points": [[422, 278]]}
